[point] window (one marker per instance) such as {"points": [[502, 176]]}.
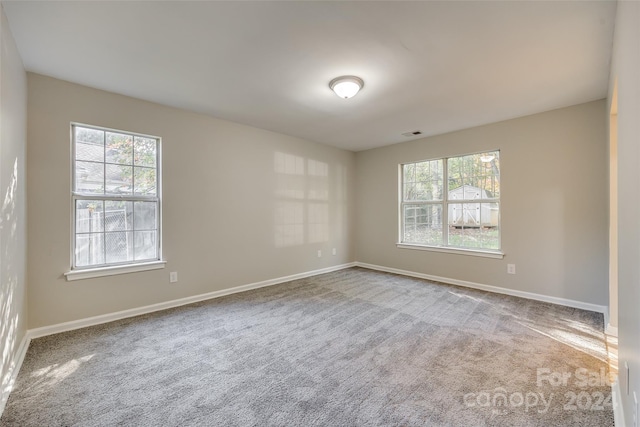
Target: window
{"points": [[116, 198], [452, 202]]}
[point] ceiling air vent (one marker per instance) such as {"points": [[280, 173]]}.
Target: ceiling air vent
{"points": [[413, 133]]}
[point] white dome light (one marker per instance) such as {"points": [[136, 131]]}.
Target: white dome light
{"points": [[346, 86]]}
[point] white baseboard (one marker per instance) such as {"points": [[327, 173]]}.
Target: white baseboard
{"points": [[105, 318], [611, 330], [96, 320], [110, 317], [618, 412], [14, 368], [496, 289]]}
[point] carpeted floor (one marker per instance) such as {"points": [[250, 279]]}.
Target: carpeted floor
{"points": [[349, 348]]}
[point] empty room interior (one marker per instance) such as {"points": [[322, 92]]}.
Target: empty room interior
{"points": [[320, 213]]}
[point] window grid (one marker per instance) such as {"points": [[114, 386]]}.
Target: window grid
{"points": [[115, 223], [464, 215]]}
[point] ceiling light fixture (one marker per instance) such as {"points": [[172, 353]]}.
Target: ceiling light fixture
{"points": [[346, 86]]}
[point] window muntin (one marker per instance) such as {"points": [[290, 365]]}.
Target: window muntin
{"points": [[464, 214], [115, 197]]}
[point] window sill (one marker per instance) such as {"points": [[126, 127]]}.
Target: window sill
{"points": [[90, 273], [457, 251]]}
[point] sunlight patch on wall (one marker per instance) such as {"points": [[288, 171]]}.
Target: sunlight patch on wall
{"points": [[9, 314], [301, 214], [289, 225]]}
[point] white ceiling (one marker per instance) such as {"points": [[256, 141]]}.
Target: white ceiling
{"points": [[429, 66]]}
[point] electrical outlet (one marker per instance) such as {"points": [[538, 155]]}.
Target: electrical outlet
{"points": [[319, 254], [511, 268], [173, 277], [334, 252]]}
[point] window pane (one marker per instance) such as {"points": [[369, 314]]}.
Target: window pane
{"points": [[89, 216], [146, 246], [409, 172], [119, 179], [89, 178], [423, 224], [489, 238], [145, 151], [89, 249], [145, 181], [428, 190], [423, 181], [89, 136], [90, 151], [119, 246], [474, 237], [471, 180], [473, 192], [119, 148], [474, 225], [409, 191], [423, 171], [490, 231], [490, 181], [118, 215], [490, 214], [118, 166], [422, 191], [464, 214], [145, 217], [462, 237], [477, 174], [455, 172]]}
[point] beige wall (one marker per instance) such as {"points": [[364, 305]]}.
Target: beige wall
{"points": [[228, 190], [13, 117], [626, 70], [554, 204]]}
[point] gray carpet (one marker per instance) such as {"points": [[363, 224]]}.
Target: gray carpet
{"points": [[349, 348]]}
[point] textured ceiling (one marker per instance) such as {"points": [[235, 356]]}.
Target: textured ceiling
{"points": [[429, 66]]}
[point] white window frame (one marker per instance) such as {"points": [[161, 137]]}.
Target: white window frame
{"points": [[108, 269], [445, 202]]}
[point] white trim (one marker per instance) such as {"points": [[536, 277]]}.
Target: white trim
{"points": [[110, 317], [96, 320], [605, 313], [448, 250], [113, 270], [75, 196], [618, 410], [445, 201], [611, 330], [495, 289], [14, 368]]}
